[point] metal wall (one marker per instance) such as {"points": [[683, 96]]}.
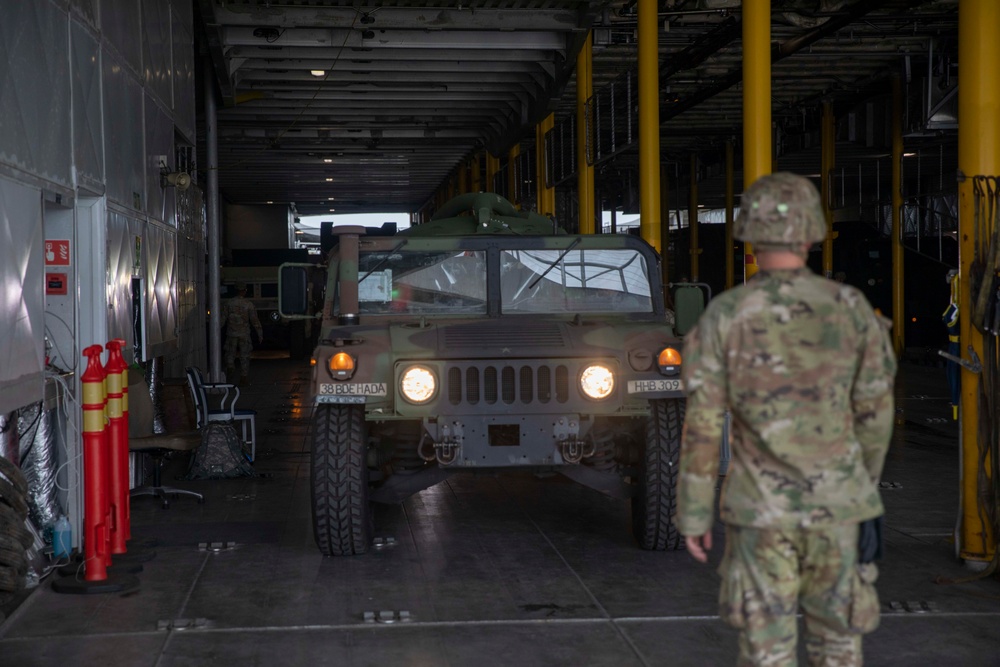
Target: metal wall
{"points": [[22, 355], [160, 268], [35, 95]]}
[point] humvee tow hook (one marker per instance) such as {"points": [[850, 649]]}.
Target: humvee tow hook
{"points": [[571, 447]]}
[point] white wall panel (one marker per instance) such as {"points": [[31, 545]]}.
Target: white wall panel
{"points": [[35, 89], [157, 68], [22, 354], [183, 79], [123, 136], [88, 143], [122, 265], [121, 24], [160, 247], [159, 145]]}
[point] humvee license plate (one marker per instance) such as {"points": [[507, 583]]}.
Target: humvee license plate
{"points": [[642, 386], [352, 389]]}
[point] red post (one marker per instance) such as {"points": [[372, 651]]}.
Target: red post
{"points": [[95, 512], [128, 484], [117, 449]]}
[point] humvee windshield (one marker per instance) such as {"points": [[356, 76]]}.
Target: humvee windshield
{"points": [[551, 281], [556, 281]]}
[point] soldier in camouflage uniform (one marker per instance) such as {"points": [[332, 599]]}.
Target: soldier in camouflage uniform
{"points": [[806, 368], [238, 314]]}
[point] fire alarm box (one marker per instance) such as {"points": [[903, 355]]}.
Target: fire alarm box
{"points": [[56, 284]]}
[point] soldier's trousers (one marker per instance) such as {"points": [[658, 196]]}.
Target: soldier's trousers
{"points": [[240, 346], [768, 574]]}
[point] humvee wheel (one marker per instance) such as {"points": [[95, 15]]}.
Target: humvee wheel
{"points": [[654, 504], [342, 515]]}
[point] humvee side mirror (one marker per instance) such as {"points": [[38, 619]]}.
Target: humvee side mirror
{"points": [[293, 300], [689, 304]]}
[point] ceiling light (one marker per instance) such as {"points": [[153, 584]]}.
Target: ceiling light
{"points": [[328, 159], [270, 202], [328, 180], [329, 198], [299, 231], [318, 72], [908, 154], [332, 210]]}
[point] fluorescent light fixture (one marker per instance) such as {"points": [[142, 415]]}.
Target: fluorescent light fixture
{"points": [[329, 198], [332, 210], [270, 202], [318, 72], [908, 154], [329, 180], [299, 231], [328, 159]]}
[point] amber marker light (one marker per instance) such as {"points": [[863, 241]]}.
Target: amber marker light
{"points": [[669, 361], [312, 361], [341, 366]]}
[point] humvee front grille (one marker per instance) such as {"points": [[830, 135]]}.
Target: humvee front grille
{"points": [[526, 334], [524, 382]]}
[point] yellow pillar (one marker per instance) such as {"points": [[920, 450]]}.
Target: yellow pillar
{"points": [[730, 201], [492, 167], [584, 172], [827, 161], [546, 196], [898, 324], [463, 178], [756, 103], [693, 228], [476, 175], [649, 123], [512, 175], [664, 232], [978, 154]]}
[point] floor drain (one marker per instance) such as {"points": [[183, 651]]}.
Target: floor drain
{"points": [[384, 542], [183, 624], [914, 606], [387, 616]]}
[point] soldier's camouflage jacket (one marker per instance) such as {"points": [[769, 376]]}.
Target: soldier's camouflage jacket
{"points": [[807, 368], [240, 314]]}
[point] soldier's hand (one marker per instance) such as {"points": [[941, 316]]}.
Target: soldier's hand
{"points": [[699, 546]]}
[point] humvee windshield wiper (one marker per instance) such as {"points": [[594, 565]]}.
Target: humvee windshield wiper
{"points": [[553, 264], [388, 256]]}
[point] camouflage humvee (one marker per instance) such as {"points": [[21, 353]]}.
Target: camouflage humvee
{"points": [[487, 339]]}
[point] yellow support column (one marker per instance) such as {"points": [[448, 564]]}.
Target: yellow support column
{"points": [[584, 172], [730, 202], [492, 167], [978, 155], [693, 228], [512, 176], [476, 174], [463, 178], [827, 161], [756, 103], [664, 233], [649, 124], [898, 323], [545, 196]]}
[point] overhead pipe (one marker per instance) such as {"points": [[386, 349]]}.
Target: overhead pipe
{"points": [[898, 259]]}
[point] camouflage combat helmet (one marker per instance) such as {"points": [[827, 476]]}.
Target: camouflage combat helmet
{"points": [[781, 209]]}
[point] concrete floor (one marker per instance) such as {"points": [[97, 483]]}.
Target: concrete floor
{"points": [[491, 570]]}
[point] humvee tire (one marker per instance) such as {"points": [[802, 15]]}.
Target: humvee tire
{"points": [[342, 515], [655, 502]]}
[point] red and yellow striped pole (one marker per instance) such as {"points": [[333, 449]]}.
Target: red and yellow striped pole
{"points": [[117, 447], [95, 465]]}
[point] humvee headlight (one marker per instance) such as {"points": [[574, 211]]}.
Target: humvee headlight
{"points": [[597, 381], [341, 366], [418, 384], [669, 361]]}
